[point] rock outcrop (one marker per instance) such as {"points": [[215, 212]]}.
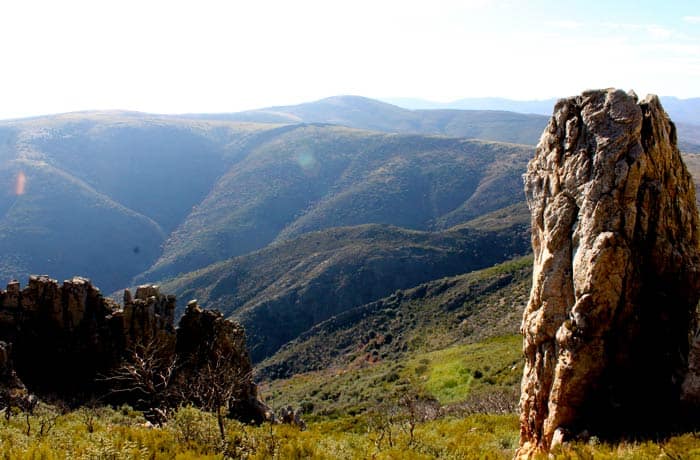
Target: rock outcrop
{"points": [[12, 390], [210, 347], [68, 341], [615, 282]]}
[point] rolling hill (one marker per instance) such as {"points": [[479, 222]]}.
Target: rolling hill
{"points": [[126, 197]]}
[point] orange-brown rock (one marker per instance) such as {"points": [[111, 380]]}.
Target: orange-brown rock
{"points": [[615, 281]]}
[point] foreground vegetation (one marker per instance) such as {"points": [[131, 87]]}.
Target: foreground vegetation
{"points": [[109, 433], [456, 403]]}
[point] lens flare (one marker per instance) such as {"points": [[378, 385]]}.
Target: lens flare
{"points": [[306, 160], [20, 183]]}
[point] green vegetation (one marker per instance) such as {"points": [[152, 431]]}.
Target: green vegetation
{"points": [[304, 281], [419, 341], [191, 434], [450, 374], [441, 313], [120, 434], [401, 420], [464, 379]]}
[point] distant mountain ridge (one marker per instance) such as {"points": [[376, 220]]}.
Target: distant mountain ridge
{"points": [[680, 110], [369, 114], [490, 118]]}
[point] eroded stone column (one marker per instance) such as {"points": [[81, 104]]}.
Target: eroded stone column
{"points": [[615, 280]]}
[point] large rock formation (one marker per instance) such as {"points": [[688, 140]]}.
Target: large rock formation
{"points": [[615, 282], [70, 341]]}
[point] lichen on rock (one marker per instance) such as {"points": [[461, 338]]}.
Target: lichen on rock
{"points": [[615, 279]]}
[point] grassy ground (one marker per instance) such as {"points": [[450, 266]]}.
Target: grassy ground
{"points": [[456, 403], [121, 434], [456, 378], [451, 374]]}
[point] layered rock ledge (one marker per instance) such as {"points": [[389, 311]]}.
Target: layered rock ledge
{"points": [[615, 283]]}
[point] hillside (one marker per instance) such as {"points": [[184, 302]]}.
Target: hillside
{"points": [[315, 177], [112, 195], [304, 281], [101, 191], [461, 309]]}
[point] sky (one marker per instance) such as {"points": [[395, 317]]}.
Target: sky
{"points": [[229, 55]]}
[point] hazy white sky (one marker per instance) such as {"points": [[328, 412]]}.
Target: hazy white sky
{"points": [[229, 55]]}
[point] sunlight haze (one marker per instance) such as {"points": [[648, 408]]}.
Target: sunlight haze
{"points": [[219, 56]]}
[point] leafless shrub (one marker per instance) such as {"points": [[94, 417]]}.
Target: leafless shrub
{"points": [[145, 376], [216, 385], [494, 401]]}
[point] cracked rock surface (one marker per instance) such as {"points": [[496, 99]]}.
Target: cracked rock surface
{"points": [[615, 280]]}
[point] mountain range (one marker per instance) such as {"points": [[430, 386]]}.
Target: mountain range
{"points": [[125, 197], [287, 215]]}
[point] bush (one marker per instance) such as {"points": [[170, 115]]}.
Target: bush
{"points": [[196, 429]]}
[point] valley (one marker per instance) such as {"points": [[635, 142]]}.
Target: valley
{"points": [[372, 253]]}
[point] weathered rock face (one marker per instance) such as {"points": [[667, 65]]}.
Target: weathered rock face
{"points": [[615, 282], [210, 346], [62, 335], [68, 339]]}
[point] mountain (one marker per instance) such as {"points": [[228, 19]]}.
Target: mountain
{"points": [[114, 194], [363, 113], [315, 177], [308, 279]]}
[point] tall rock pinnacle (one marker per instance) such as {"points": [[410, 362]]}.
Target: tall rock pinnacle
{"points": [[615, 281]]}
